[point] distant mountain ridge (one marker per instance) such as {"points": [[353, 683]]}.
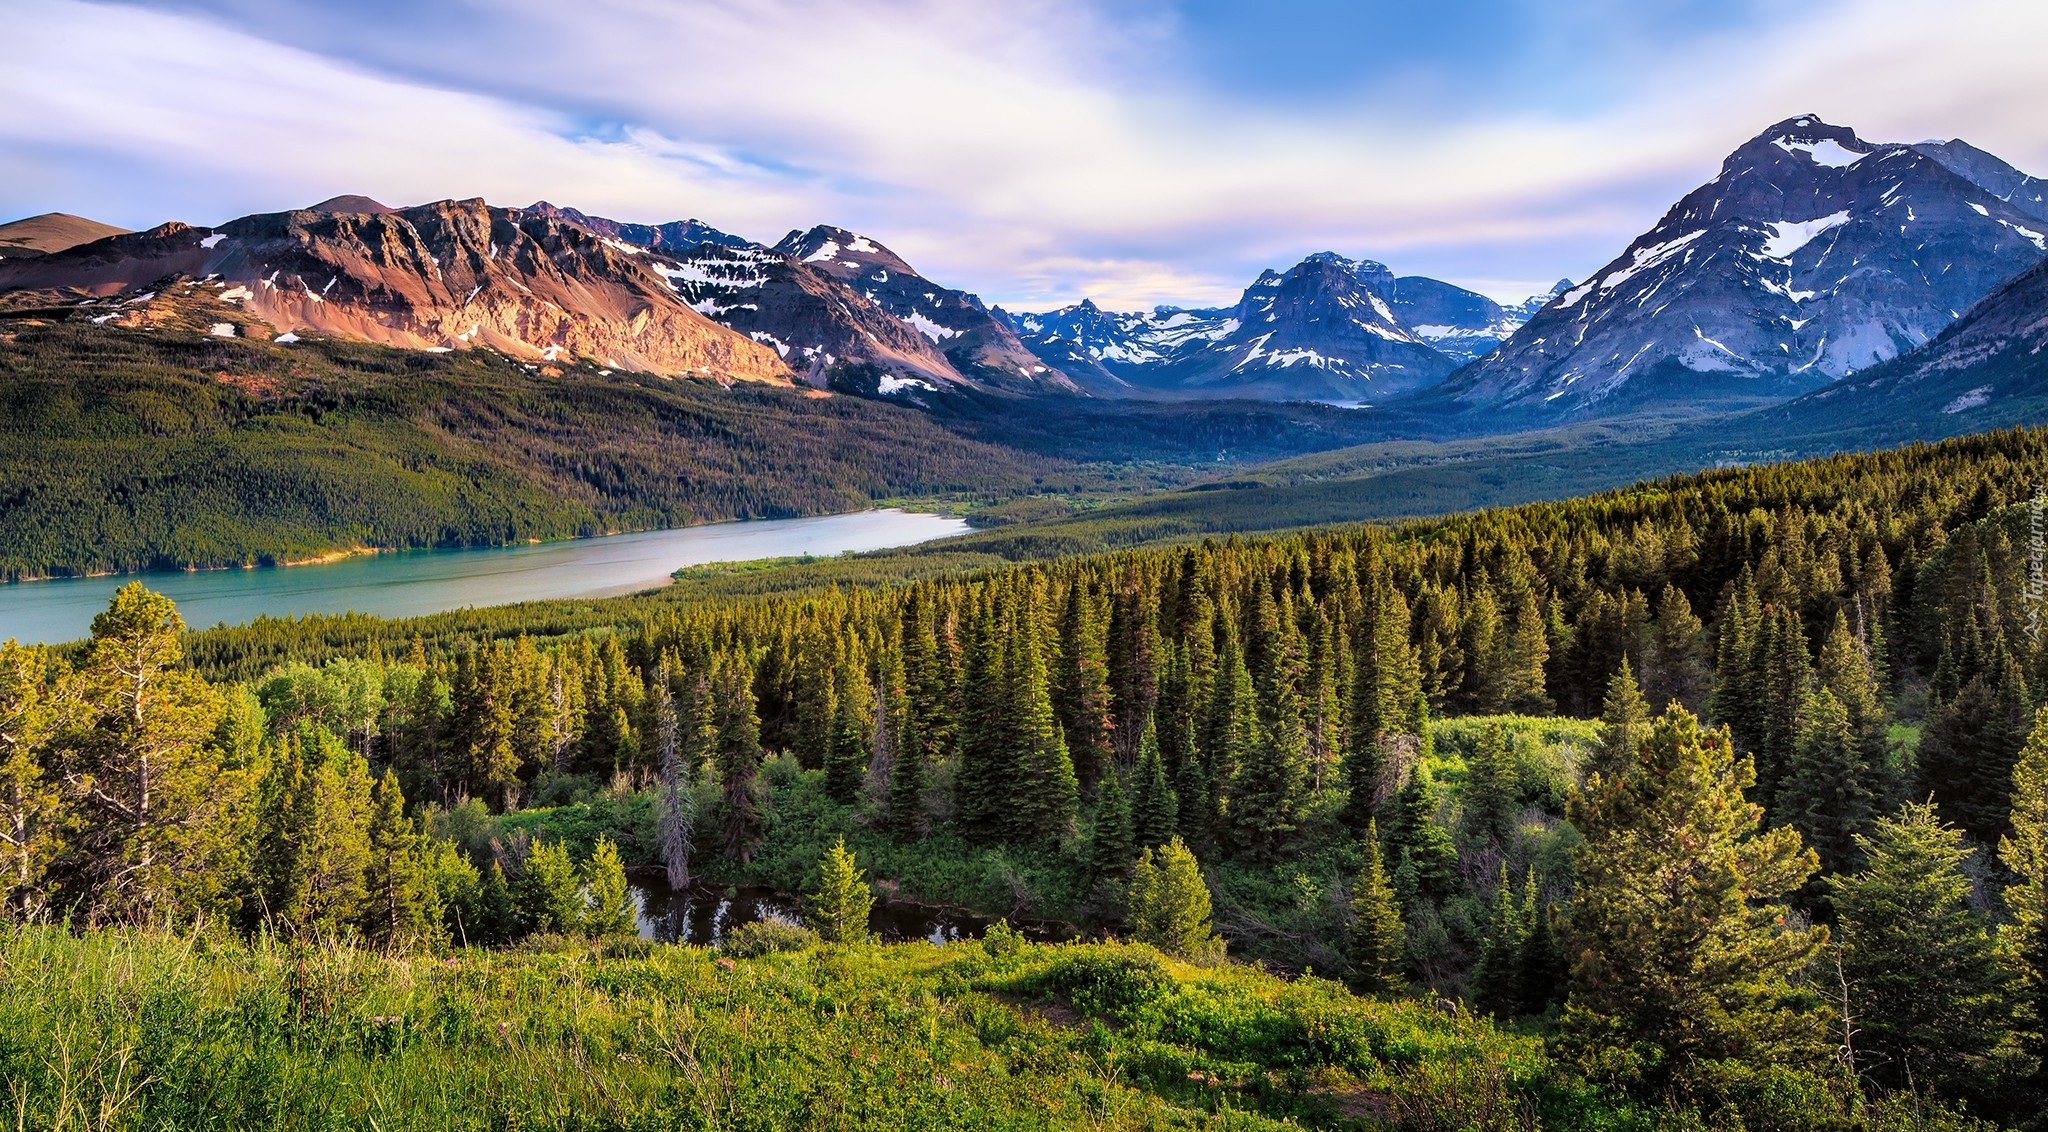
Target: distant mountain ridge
{"points": [[1330, 328], [1813, 255], [51, 232]]}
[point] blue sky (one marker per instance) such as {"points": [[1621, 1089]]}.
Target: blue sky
{"points": [[1036, 151]]}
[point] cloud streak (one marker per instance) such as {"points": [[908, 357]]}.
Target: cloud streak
{"points": [[1036, 151]]}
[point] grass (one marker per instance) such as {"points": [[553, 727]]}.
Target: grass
{"points": [[131, 1030]]}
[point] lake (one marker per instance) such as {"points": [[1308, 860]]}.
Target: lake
{"points": [[411, 583]]}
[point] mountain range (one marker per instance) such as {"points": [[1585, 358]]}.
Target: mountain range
{"points": [[1811, 257]]}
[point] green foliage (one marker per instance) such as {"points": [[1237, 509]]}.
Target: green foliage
{"points": [[1169, 904], [1378, 935], [766, 937], [609, 906], [1684, 956], [1927, 988], [547, 893], [839, 910]]}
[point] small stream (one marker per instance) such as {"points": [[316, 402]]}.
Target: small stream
{"points": [[703, 915]]}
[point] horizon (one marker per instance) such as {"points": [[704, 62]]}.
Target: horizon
{"points": [[1136, 155]]}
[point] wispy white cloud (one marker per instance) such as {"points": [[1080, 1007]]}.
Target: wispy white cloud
{"points": [[1036, 151]]}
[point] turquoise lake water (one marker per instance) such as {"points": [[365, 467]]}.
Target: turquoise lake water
{"points": [[411, 583]]}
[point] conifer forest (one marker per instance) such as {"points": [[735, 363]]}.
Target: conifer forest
{"points": [[1719, 801]]}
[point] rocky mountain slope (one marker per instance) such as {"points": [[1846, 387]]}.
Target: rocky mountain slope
{"points": [[676, 235], [50, 232], [1814, 255], [981, 346], [442, 276]]}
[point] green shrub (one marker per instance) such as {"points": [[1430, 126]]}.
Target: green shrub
{"points": [[765, 937]]}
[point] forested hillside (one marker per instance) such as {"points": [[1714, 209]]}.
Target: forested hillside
{"points": [[1464, 756], [126, 449]]}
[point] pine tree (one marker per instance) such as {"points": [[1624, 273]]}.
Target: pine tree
{"points": [[908, 779], [1111, 842], [1971, 744], [322, 851], [1524, 687], [738, 754], [1492, 796], [1784, 686], [1846, 670], [402, 909], [1544, 972], [839, 910], [1155, 809], [2025, 851], [982, 783], [1423, 852], [548, 895], [695, 730], [32, 810], [1497, 978], [1679, 921], [1623, 726], [847, 743], [1737, 693], [1676, 668], [1270, 791], [498, 919], [1927, 988], [1080, 689], [161, 814], [1826, 794], [1377, 939], [1169, 905], [1044, 797], [609, 907], [1486, 652]]}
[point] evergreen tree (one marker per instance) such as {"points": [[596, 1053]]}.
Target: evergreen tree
{"points": [[548, 895], [1926, 985], [1168, 904], [1491, 798], [322, 848], [402, 909], [839, 910], [1080, 690], [1045, 796], [908, 779], [852, 727], [1424, 855], [1684, 959], [1676, 668], [1524, 687], [738, 754], [1111, 842], [1971, 744], [1487, 665], [2025, 851], [32, 810], [1497, 978], [1378, 935], [695, 733], [1737, 694], [1846, 670], [161, 814], [1826, 794], [1155, 809], [1785, 685], [1624, 725], [986, 772], [1545, 972], [1270, 791], [609, 907], [498, 919]]}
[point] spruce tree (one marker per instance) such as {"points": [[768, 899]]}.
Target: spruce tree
{"points": [[1044, 795], [548, 895], [1491, 796], [1846, 670], [1545, 971], [1524, 686], [1785, 685], [1270, 791], [839, 910], [1927, 988], [1826, 794], [498, 919], [738, 753], [1497, 978], [851, 730], [608, 905], [402, 909], [2025, 851], [986, 773], [1155, 810], [1377, 938], [1684, 957], [1624, 724], [1676, 668], [908, 778], [1110, 843], [1971, 744], [1080, 688]]}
